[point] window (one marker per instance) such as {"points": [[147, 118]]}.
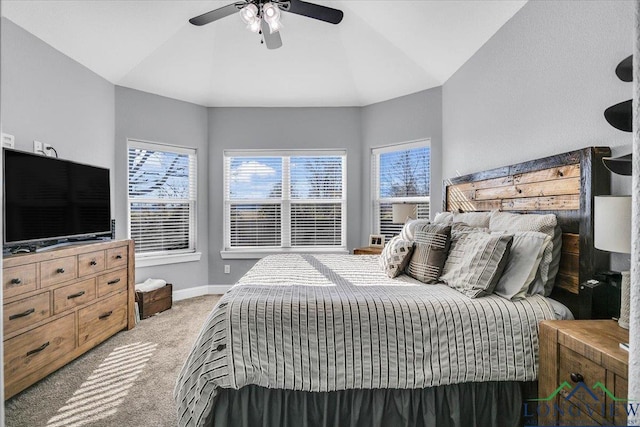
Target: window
{"points": [[162, 198], [284, 201], [400, 173]]}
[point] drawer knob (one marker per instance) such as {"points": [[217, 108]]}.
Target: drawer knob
{"points": [[23, 314], [118, 256], [38, 350], [113, 282], [93, 262], [79, 294], [60, 270], [105, 315], [16, 281], [577, 378]]}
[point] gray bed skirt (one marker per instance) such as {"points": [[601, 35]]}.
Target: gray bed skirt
{"points": [[488, 404]]}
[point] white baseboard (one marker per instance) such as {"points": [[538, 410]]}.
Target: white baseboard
{"points": [[199, 291]]}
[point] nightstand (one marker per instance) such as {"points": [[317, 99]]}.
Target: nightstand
{"points": [[367, 250], [582, 373]]}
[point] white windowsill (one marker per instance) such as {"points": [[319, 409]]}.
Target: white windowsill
{"points": [[150, 261], [261, 253]]}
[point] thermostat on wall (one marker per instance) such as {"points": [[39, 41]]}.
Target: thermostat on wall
{"points": [[8, 141]]}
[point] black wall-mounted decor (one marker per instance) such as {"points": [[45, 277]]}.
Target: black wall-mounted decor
{"points": [[619, 115]]}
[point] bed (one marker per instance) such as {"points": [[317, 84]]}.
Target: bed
{"points": [[332, 340]]}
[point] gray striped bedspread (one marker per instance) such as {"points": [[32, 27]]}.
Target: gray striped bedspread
{"points": [[334, 322]]}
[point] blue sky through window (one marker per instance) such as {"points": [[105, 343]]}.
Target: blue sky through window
{"points": [[405, 173]]}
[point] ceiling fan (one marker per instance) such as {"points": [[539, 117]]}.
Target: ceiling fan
{"points": [[263, 16]]}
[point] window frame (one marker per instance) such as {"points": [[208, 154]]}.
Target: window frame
{"points": [[146, 259], [285, 201], [376, 200]]}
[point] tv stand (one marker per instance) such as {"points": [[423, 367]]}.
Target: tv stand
{"points": [[61, 303]]}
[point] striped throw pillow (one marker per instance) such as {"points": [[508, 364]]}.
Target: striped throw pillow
{"points": [[475, 263], [395, 256], [430, 253]]}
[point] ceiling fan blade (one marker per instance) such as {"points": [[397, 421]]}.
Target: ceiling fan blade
{"points": [[619, 116], [215, 14], [315, 11], [273, 41], [624, 71]]}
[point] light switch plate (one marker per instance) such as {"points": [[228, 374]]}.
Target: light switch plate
{"points": [[8, 141]]}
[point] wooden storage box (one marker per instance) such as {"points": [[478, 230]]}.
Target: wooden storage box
{"points": [[153, 302]]}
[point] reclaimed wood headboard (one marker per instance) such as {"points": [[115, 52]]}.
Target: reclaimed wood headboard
{"points": [[565, 185]]}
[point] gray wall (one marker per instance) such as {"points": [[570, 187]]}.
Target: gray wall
{"points": [[539, 87], [279, 128], [154, 118], [49, 97], [404, 119]]}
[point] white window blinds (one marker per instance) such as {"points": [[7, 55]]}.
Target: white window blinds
{"points": [[162, 198], [277, 200], [400, 174]]}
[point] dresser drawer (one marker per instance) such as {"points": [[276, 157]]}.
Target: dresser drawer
{"points": [[20, 314], [572, 365], [89, 263], [57, 271], [571, 415], [40, 347], [18, 280], [74, 295], [112, 282], [117, 257], [102, 319]]}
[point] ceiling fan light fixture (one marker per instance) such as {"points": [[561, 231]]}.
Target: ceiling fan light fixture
{"points": [[254, 26], [271, 15], [249, 14]]}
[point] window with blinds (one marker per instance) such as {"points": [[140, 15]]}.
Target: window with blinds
{"points": [[284, 200], [400, 174], [162, 198]]}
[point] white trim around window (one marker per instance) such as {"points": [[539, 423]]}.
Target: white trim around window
{"points": [[161, 202], [396, 166], [284, 202]]}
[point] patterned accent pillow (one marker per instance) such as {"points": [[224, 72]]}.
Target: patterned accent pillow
{"points": [[395, 256], [430, 253], [476, 262], [545, 223]]}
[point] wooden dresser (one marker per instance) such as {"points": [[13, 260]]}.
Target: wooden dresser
{"points": [[582, 361], [60, 303]]}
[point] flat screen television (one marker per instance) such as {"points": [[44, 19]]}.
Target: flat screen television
{"points": [[50, 200]]}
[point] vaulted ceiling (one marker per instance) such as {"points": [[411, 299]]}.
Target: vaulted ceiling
{"points": [[381, 49]]}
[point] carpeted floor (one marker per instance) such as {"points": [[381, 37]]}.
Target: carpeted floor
{"points": [[126, 381]]}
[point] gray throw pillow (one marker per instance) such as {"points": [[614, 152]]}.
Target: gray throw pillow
{"points": [[543, 223], [522, 265], [430, 252], [475, 262], [395, 256]]}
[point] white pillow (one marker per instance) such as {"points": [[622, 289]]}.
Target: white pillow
{"points": [[409, 230], [474, 219], [522, 265], [443, 218], [543, 223]]}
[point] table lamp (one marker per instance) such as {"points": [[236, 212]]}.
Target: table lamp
{"points": [[612, 232], [403, 212]]}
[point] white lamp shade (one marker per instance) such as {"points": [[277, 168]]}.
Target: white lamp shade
{"points": [[403, 212], [612, 223]]}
